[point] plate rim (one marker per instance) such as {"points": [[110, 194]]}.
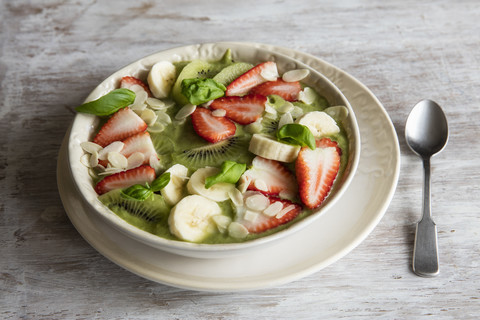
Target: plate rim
{"points": [[201, 284]]}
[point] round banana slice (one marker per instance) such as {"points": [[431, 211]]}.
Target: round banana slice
{"points": [[218, 192], [161, 79], [173, 191], [191, 218], [269, 148], [319, 123]]}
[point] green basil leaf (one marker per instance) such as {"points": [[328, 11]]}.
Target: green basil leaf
{"points": [[109, 103], [231, 173], [137, 192], [161, 182], [199, 91], [297, 134]]}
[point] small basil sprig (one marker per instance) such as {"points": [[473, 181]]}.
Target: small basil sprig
{"points": [[137, 192], [199, 90], [161, 182], [109, 103], [231, 173], [297, 134], [143, 192]]}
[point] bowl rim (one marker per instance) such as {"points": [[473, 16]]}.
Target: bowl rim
{"points": [[178, 246]]}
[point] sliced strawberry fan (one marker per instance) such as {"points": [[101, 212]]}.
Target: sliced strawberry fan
{"points": [[251, 78], [140, 175], [243, 110], [121, 125], [316, 171]]}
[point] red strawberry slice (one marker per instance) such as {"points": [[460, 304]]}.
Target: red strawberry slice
{"points": [[250, 79], [316, 171], [141, 142], [125, 179], [121, 125], [287, 90], [271, 177], [211, 128], [243, 110], [263, 222], [128, 82]]}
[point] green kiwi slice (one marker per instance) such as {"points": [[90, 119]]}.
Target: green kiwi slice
{"points": [[198, 69], [234, 148], [232, 72], [142, 214]]}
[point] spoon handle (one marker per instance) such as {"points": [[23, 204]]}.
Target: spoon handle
{"points": [[425, 252]]}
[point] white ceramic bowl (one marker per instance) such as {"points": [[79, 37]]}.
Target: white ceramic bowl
{"points": [[85, 125]]}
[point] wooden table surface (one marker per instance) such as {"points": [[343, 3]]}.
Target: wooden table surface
{"points": [[53, 53]]}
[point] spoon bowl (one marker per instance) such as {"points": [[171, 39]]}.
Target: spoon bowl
{"points": [[426, 130], [426, 133]]}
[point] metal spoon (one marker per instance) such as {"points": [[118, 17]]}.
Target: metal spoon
{"points": [[426, 133]]}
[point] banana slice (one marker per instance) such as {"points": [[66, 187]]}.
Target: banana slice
{"points": [[269, 148], [319, 123], [173, 191], [161, 78], [218, 192], [191, 218]]}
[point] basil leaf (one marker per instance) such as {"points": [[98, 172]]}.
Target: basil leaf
{"points": [[231, 173], [199, 91], [297, 134], [137, 192], [161, 182], [109, 103]]}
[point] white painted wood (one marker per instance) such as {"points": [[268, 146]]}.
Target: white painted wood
{"points": [[53, 53]]}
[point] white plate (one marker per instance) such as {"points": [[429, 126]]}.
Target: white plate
{"points": [[319, 244]]}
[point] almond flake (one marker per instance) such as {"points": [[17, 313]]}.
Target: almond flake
{"points": [[286, 118], [149, 116], [219, 113], [117, 160], [85, 160], [295, 75], [236, 197], [157, 127], [94, 160], [269, 74], [163, 117], [115, 146], [261, 185], [136, 159], [90, 147], [155, 104], [244, 183], [286, 107], [285, 211], [222, 222], [257, 202], [273, 209], [185, 111], [237, 230], [109, 171], [307, 95]]}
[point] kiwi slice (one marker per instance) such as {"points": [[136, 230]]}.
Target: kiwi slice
{"points": [[142, 214], [214, 154], [198, 69], [232, 72]]}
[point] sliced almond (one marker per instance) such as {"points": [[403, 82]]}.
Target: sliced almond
{"points": [[115, 146], [219, 113], [307, 95], [117, 160], [284, 211], [257, 202], [237, 230], [136, 159], [185, 111], [149, 116], [155, 104], [295, 75], [90, 147], [222, 222], [273, 209]]}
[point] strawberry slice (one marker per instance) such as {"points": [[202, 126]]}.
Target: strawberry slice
{"points": [[211, 128], [263, 222], [128, 82], [287, 90], [141, 142], [316, 171], [251, 78], [125, 179], [271, 178], [121, 125], [243, 110]]}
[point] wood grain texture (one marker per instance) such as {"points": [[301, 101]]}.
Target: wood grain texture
{"points": [[53, 53]]}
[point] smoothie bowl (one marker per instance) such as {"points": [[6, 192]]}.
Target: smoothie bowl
{"points": [[211, 150]]}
